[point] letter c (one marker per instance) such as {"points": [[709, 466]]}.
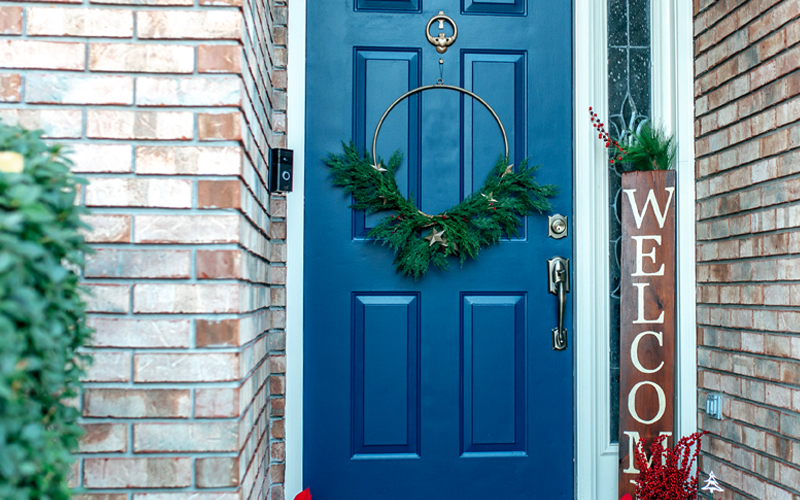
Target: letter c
{"points": [[635, 351]]}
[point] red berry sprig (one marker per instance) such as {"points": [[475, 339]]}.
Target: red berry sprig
{"points": [[670, 474], [603, 135]]}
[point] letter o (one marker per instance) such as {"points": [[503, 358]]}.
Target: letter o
{"points": [[662, 402]]}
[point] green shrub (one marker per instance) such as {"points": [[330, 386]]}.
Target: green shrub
{"points": [[42, 319]]}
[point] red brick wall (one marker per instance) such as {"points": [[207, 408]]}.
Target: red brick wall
{"points": [[747, 132], [171, 107]]}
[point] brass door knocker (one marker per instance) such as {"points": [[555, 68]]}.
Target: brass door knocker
{"points": [[442, 41]]}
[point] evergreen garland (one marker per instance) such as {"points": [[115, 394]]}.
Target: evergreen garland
{"points": [[480, 220]]}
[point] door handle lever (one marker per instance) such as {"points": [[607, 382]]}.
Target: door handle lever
{"points": [[558, 285]]}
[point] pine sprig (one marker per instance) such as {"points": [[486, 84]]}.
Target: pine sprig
{"points": [[478, 221]]}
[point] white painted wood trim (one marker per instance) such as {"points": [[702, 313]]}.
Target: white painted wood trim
{"points": [[687, 285], [596, 458], [296, 132], [673, 108]]}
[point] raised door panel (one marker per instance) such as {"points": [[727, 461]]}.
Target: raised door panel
{"points": [[494, 7], [389, 5], [385, 372], [493, 412], [379, 75]]}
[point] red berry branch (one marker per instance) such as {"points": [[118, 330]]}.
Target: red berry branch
{"points": [[670, 474], [603, 135]]}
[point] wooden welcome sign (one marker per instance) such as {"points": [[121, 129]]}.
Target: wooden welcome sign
{"points": [[647, 316]]}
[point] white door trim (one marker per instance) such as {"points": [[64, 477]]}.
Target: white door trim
{"points": [[295, 227], [673, 108], [595, 456]]}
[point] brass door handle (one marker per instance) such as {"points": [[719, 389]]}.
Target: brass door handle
{"points": [[558, 285], [442, 41]]}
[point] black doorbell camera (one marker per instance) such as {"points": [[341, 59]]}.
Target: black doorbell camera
{"points": [[280, 170]]}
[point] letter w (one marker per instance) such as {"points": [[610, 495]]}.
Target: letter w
{"points": [[651, 199]]}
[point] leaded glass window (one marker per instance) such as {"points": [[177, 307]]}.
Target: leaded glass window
{"points": [[629, 87]]}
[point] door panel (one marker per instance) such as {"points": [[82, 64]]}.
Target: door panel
{"points": [[494, 7], [385, 374], [446, 387], [379, 75], [493, 415]]}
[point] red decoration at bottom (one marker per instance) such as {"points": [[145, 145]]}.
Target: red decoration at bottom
{"points": [[304, 495]]}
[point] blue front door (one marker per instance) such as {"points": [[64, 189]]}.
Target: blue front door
{"points": [[447, 387]]}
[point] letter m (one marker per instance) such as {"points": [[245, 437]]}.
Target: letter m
{"points": [[633, 442]]}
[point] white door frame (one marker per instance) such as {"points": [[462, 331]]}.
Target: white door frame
{"points": [[595, 455]]}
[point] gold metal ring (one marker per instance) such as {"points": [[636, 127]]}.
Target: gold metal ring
{"points": [[442, 41], [428, 87]]}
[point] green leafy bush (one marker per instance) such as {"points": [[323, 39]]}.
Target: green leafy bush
{"points": [[42, 319]]}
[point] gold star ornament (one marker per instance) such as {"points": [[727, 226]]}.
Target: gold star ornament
{"points": [[435, 237], [489, 198]]}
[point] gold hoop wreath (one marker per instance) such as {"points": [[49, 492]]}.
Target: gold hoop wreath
{"points": [[477, 222]]}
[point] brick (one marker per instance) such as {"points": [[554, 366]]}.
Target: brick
{"points": [[790, 373], [136, 58], [56, 123], [101, 496], [185, 298], [104, 438], [137, 472], [219, 3], [187, 229], [215, 25], [188, 91], [140, 333], [217, 472], [105, 158], [219, 59], [73, 475], [191, 496], [9, 87], [219, 333], [205, 367], [123, 263], [93, 22], [219, 194], [107, 298], [183, 437], [192, 160], [771, 45], [137, 192], [159, 3], [106, 228], [219, 126], [216, 403], [763, 74], [73, 89], [109, 366], [219, 264], [30, 54], [10, 20], [118, 124], [137, 403], [775, 143]]}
